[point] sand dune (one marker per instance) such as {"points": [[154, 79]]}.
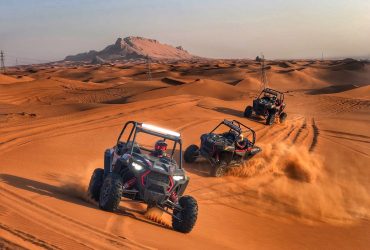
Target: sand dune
{"points": [[360, 93], [309, 188], [203, 87], [4, 79]]}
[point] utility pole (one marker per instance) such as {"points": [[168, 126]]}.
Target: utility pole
{"points": [[2, 65], [148, 66], [322, 56], [263, 72]]}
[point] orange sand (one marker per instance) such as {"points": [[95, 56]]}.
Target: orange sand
{"points": [[308, 189]]}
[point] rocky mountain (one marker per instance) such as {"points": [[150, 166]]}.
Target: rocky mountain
{"points": [[134, 48]]}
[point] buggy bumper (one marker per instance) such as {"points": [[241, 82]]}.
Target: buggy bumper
{"points": [[255, 150], [151, 196]]}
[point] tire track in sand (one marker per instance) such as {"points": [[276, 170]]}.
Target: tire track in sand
{"points": [[316, 133], [75, 233], [28, 237]]}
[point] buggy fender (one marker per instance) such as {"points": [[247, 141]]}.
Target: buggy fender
{"points": [[108, 158], [255, 150], [226, 156], [121, 167], [272, 111], [282, 107], [182, 187]]}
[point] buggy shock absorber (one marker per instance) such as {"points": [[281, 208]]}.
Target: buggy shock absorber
{"points": [[217, 157], [174, 197], [129, 183]]}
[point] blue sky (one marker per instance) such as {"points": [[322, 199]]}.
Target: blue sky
{"points": [[50, 30]]}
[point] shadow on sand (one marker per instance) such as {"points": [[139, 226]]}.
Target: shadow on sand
{"points": [[238, 113], [61, 194], [201, 167]]}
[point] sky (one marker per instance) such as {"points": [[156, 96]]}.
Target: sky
{"points": [[34, 30]]}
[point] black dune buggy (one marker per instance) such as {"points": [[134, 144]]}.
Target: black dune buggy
{"points": [[134, 171], [269, 104], [227, 149]]}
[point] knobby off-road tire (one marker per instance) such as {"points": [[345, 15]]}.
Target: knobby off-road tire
{"points": [[270, 118], [248, 112], [282, 117], [191, 153], [218, 169], [111, 192], [188, 215], [95, 184]]}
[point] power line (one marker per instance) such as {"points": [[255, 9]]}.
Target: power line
{"points": [[19, 60], [28, 59]]}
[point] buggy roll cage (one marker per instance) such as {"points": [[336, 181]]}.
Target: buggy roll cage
{"points": [[138, 127], [237, 127], [272, 92]]}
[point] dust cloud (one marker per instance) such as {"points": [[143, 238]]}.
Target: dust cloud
{"points": [[157, 215], [76, 185], [296, 163], [290, 180]]}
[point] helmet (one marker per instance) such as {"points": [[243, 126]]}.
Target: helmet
{"points": [[160, 148], [241, 143], [241, 137]]}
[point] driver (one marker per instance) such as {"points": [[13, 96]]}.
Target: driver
{"points": [[241, 143], [273, 99], [160, 148]]}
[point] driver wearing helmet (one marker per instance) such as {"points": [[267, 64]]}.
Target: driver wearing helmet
{"points": [[241, 143], [160, 148], [273, 99]]}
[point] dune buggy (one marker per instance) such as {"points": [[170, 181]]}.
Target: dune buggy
{"points": [[233, 146], [135, 171], [269, 104]]}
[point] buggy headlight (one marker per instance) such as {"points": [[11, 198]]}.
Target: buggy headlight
{"points": [[178, 177], [137, 166]]}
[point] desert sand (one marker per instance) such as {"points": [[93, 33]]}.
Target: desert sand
{"points": [[308, 189]]}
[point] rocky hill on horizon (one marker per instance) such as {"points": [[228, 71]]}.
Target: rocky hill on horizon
{"points": [[134, 48]]}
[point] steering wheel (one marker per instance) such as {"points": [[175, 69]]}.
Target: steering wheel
{"points": [[230, 137], [120, 148]]}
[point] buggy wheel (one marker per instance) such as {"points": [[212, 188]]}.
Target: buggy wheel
{"points": [[248, 112], [270, 118], [282, 117], [95, 184], [191, 153], [218, 169], [183, 221], [111, 192]]}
